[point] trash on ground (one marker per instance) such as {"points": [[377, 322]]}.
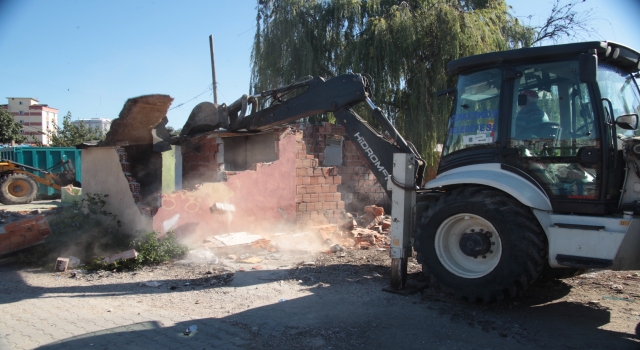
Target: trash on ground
{"points": [[190, 330], [129, 254], [152, 284]]}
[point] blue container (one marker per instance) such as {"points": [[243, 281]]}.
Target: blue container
{"points": [[44, 158]]}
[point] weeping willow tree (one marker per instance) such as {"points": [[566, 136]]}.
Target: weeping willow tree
{"points": [[404, 46]]}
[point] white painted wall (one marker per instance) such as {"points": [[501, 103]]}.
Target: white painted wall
{"points": [[102, 173]]}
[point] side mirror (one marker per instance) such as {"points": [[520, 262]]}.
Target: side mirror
{"points": [[627, 121], [588, 67]]}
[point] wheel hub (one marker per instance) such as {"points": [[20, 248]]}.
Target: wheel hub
{"points": [[468, 245], [18, 188], [475, 243]]}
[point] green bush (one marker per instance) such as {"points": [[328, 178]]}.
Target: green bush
{"points": [[154, 250], [151, 251], [84, 230]]}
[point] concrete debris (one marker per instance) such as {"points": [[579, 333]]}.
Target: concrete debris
{"points": [[336, 248], [61, 264], [617, 287], [222, 207], [233, 239], [237, 243], [129, 254]]}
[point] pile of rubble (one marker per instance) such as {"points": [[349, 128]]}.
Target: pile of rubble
{"points": [[18, 231], [369, 231], [359, 232]]}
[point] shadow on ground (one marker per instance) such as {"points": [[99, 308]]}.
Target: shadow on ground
{"points": [[349, 310]]}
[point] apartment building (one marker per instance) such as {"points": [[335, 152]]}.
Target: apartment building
{"points": [[37, 119], [97, 123]]}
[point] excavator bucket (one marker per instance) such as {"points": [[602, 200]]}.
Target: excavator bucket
{"points": [[204, 117]]}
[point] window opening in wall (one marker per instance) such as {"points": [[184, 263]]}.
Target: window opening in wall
{"points": [[333, 150], [241, 153], [20, 102], [21, 112]]}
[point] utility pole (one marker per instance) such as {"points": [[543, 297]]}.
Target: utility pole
{"points": [[213, 71]]}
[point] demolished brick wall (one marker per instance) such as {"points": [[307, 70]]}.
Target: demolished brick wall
{"points": [[359, 186], [264, 197], [317, 197], [201, 161]]}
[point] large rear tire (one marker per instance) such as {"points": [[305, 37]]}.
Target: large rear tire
{"points": [[480, 244], [17, 189]]}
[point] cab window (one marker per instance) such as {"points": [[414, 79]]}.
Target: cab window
{"points": [[552, 123], [475, 113]]}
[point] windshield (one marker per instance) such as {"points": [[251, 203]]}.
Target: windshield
{"points": [[620, 88], [473, 123]]}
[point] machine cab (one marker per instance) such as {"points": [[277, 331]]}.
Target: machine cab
{"points": [[553, 115]]}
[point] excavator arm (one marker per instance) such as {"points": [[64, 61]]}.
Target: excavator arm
{"points": [[387, 154], [337, 95]]}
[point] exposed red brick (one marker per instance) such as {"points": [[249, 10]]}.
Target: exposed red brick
{"points": [[375, 210]]}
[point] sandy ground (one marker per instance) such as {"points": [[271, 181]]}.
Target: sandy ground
{"points": [[305, 300]]}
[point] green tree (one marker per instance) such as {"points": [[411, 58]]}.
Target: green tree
{"points": [[71, 134], [403, 45], [10, 130]]}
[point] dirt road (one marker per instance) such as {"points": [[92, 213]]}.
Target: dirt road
{"points": [[302, 300]]}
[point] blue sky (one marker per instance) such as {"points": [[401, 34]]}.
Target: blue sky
{"points": [[89, 57]]}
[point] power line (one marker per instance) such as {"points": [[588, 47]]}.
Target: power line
{"points": [[209, 88]]}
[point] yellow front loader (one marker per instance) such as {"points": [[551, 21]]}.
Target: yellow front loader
{"points": [[19, 186]]}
